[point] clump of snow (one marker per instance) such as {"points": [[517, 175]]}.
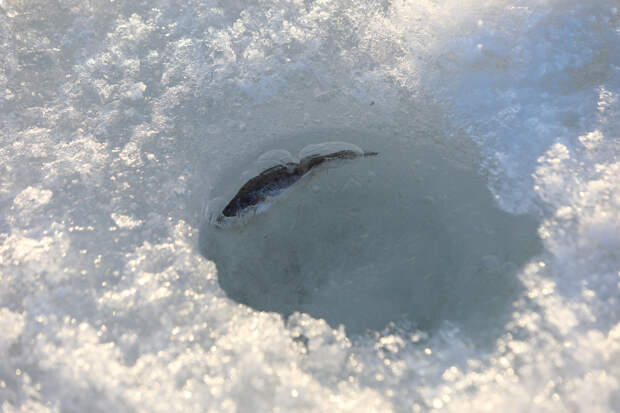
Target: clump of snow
{"points": [[12, 325], [125, 221], [31, 199]]}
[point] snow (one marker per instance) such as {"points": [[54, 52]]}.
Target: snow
{"points": [[121, 120]]}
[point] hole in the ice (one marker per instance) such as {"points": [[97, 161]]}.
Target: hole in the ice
{"points": [[411, 236]]}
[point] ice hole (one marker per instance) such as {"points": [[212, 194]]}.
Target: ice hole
{"points": [[410, 236]]}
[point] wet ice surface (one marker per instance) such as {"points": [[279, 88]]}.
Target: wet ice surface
{"points": [[410, 237], [120, 120]]}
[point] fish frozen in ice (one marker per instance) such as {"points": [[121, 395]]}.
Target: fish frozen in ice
{"points": [[256, 194]]}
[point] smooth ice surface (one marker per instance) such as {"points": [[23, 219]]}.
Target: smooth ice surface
{"points": [[411, 237], [120, 120]]}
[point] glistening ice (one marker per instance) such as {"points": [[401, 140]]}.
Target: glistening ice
{"points": [[120, 122]]}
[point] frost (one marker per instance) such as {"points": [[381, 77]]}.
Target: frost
{"points": [[83, 156]]}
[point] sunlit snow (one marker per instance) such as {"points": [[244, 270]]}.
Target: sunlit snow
{"points": [[497, 125]]}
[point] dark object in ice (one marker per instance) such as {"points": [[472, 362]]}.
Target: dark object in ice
{"points": [[274, 180]]}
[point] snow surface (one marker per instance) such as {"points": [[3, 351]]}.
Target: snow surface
{"points": [[119, 120]]}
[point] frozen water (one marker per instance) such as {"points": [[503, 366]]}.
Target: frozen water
{"points": [[326, 148], [120, 120], [271, 176], [408, 237]]}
